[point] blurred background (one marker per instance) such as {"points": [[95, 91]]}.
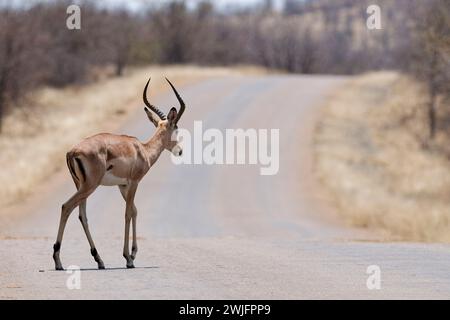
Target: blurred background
{"points": [[296, 36], [381, 145]]}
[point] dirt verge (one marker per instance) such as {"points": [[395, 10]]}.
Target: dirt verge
{"points": [[373, 158]]}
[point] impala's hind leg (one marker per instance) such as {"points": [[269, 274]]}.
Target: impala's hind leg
{"points": [[66, 210], [84, 223]]}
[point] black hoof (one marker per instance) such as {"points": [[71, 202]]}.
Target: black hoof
{"points": [[101, 267], [59, 268], [130, 266]]}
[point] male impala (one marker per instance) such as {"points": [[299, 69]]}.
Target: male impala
{"points": [[117, 160]]}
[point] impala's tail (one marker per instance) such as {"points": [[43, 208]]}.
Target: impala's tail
{"points": [[75, 166]]}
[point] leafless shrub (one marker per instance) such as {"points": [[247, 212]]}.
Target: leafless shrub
{"points": [[431, 54], [319, 36]]}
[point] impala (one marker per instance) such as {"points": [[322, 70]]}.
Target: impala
{"points": [[117, 160]]}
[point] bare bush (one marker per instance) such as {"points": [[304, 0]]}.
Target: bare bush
{"points": [[431, 54], [319, 36]]}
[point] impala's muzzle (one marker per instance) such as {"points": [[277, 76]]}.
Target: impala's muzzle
{"points": [[177, 151]]}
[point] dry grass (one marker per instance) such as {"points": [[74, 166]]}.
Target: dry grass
{"points": [[35, 137], [371, 156]]}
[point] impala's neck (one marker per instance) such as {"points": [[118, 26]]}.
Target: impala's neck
{"points": [[155, 146]]}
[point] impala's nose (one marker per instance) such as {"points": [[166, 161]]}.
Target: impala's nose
{"points": [[177, 151]]}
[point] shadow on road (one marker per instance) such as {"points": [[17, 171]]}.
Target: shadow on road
{"points": [[96, 269]]}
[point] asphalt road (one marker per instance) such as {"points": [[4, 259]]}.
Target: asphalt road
{"points": [[222, 232]]}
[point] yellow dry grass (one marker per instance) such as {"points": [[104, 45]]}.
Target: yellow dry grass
{"points": [[36, 136], [370, 156]]}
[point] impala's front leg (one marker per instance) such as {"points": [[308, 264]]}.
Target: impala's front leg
{"points": [[134, 247], [129, 192]]}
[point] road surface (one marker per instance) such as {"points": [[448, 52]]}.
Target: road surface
{"points": [[218, 232]]}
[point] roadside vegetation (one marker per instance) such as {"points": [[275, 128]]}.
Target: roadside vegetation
{"points": [[374, 157], [309, 37], [382, 146]]}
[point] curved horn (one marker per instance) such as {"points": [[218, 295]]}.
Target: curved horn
{"points": [[182, 105], [160, 114]]}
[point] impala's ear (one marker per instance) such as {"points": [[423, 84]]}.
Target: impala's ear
{"points": [[151, 117], [172, 115]]}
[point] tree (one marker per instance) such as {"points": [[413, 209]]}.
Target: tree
{"points": [[21, 55], [122, 33], [431, 55], [173, 25]]}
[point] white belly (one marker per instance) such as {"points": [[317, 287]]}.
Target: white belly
{"points": [[111, 180]]}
